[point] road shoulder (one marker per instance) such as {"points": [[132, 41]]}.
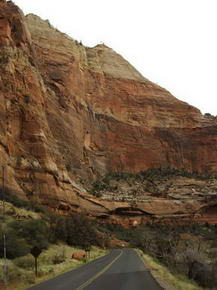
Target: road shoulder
{"points": [[164, 277]]}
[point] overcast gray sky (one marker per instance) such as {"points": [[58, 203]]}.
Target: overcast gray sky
{"points": [[171, 42]]}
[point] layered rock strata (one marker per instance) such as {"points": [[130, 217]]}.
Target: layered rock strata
{"points": [[70, 114]]}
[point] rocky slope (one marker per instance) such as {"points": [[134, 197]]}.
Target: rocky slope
{"points": [[71, 114], [159, 195]]}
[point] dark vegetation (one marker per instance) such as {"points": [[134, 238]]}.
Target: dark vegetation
{"points": [[151, 175], [189, 250], [75, 230], [23, 236], [32, 205]]}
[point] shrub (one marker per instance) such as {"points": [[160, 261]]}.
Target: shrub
{"points": [[26, 262], [58, 259], [34, 231], [11, 197], [23, 236], [13, 272], [80, 231], [16, 245], [76, 230]]}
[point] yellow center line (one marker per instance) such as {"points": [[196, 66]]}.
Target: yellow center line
{"points": [[88, 282]]}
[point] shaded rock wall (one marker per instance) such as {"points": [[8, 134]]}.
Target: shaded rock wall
{"points": [[70, 114]]}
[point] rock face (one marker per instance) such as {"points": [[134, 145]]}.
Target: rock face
{"points": [[70, 114]]}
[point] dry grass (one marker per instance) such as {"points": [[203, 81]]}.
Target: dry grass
{"points": [[14, 213], [22, 278], [21, 270], [166, 279]]}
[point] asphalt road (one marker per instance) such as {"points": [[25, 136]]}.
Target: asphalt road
{"points": [[119, 270]]}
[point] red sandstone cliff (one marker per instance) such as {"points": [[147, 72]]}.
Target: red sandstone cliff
{"points": [[70, 114]]}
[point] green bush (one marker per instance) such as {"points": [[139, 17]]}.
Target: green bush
{"points": [[16, 245], [13, 272], [34, 231], [75, 230], [81, 232], [26, 262], [23, 236]]}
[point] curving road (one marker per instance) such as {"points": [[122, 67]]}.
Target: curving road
{"points": [[119, 270]]}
